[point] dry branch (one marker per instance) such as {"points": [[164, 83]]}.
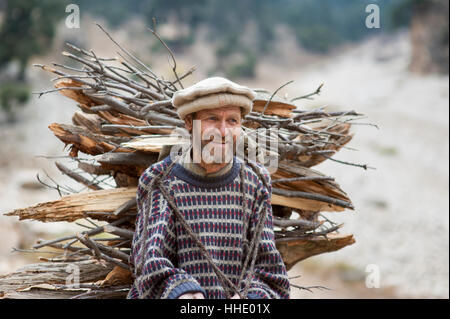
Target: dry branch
{"points": [[76, 206], [296, 250]]}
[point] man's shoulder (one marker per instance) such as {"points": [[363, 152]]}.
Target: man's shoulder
{"points": [[153, 170]]}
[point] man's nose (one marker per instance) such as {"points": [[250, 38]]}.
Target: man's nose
{"points": [[222, 128]]}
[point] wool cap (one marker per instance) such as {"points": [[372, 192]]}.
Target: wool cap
{"points": [[212, 93]]}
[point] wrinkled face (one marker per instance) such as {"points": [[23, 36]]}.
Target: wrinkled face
{"points": [[217, 132]]}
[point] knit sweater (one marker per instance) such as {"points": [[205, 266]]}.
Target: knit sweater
{"points": [[172, 264]]}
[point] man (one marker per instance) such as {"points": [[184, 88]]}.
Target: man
{"points": [[204, 226]]}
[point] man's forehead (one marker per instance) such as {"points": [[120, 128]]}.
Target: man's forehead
{"points": [[226, 110]]}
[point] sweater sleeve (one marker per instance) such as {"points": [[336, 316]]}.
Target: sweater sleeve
{"points": [[270, 279], [153, 253]]}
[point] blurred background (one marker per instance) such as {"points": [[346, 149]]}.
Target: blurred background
{"points": [[387, 59]]}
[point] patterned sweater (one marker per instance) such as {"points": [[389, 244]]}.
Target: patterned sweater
{"points": [[173, 265]]}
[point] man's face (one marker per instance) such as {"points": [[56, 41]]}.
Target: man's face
{"points": [[219, 130]]}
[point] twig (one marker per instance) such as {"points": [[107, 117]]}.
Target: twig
{"points": [[317, 197], [303, 224], [77, 177], [174, 66], [99, 255], [125, 207], [327, 231], [273, 94], [364, 166], [57, 188], [79, 224], [66, 67], [155, 106], [309, 288], [59, 89], [89, 233], [308, 96], [119, 231], [305, 178], [138, 128], [109, 74], [126, 52]]}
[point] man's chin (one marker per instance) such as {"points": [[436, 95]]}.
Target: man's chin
{"points": [[220, 158]]}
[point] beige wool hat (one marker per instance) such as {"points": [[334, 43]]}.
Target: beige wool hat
{"points": [[212, 93]]}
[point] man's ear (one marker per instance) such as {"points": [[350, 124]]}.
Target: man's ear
{"points": [[188, 122]]}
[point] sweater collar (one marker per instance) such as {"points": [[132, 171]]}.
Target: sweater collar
{"points": [[188, 164], [227, 175]]}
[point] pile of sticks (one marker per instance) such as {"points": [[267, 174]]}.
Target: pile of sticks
{"points": [[123, 125]]}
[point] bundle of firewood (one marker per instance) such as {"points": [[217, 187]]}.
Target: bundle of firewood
{"points": [[125, 124]]}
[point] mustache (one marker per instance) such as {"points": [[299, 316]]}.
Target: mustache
{"points": [[219, 139], [215, 140]]}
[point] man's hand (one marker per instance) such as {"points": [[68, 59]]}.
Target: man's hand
{"points": [[191, 295]]}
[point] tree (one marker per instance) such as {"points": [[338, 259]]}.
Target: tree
{"points": [[28, 28], [428, 23]]}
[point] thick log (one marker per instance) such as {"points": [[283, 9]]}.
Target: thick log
{"points": [[47, 291], [305, 204], [136, 130], [300, 223], [87, 142], [318, 197], [127, 159], [72, 207], [131, 164], [43, 291], [91, 122], [310, 194], [118, 276], [123, 119], [93, 169], [125, 180], [153, 144], [277, 106], [76, 95], [290, 169], [53, 273], [296, 250]]}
